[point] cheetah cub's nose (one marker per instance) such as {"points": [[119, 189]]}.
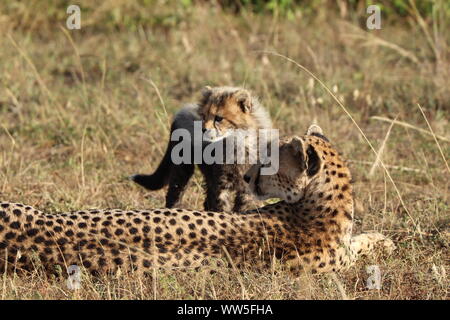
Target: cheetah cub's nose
{"points": [[247, 178]]}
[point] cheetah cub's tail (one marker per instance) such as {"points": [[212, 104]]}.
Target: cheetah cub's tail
{"points": [[184, 119], [160, 178]]}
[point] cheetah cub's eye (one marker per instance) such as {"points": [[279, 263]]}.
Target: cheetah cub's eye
{"points": [[218, 119]]}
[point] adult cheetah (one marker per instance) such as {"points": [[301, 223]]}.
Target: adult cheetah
{"points": [[311, 228]]}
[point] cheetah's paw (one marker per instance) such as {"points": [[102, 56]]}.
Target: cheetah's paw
{"points": [[389, 246]]}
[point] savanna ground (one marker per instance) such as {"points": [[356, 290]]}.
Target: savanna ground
{"points": [[81, 110]]}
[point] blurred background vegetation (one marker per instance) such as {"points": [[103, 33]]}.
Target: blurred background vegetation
{"points": [[129, 14]]}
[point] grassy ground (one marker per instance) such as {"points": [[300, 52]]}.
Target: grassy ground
{"points": [[81, 110]]}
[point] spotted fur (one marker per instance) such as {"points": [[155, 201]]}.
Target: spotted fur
{"points": [[314, 183], [310, 229]]}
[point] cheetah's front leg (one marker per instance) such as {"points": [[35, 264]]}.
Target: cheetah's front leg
{"points": [[365, 243]]}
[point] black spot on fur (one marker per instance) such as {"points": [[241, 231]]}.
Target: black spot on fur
{"points": [[348, 215], [15, 225], [32, 232]]}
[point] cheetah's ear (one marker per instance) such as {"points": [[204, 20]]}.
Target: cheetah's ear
{"points": [[244, 100], [309, 159], [297, 147], [314, 129], [297, 144]]}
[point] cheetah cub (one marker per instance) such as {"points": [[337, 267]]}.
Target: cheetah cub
{"points": [[310, 229], [222, 111]]}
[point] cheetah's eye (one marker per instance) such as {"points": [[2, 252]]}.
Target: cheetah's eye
{"points": [[218, 119]]}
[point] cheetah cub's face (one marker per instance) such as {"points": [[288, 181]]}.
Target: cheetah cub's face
{"points": [[226, 109], [299, 164]]}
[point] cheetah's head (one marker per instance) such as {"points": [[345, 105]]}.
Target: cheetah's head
{"points": [[299, 165]]}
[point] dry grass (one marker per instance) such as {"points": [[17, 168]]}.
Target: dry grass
{"points": [[81, 110]]}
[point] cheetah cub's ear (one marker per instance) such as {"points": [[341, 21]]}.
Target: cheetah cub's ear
{"points": [[206, 92], [244, 100], [314, 129]]}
